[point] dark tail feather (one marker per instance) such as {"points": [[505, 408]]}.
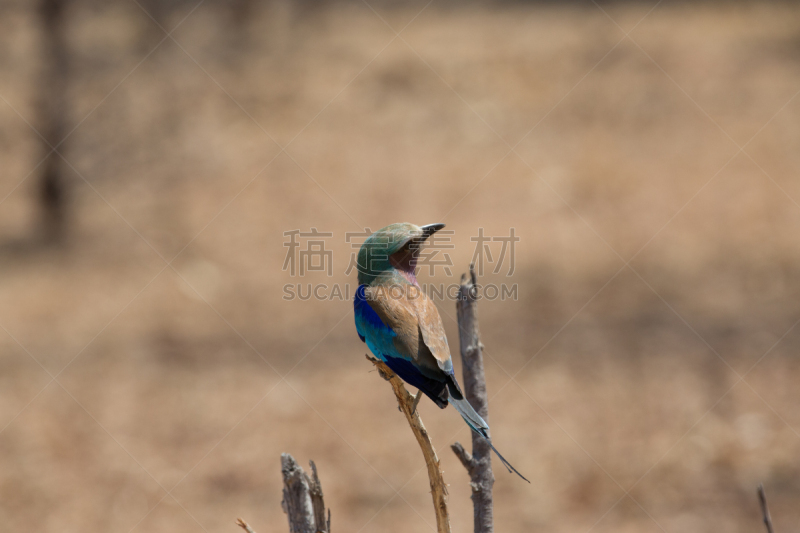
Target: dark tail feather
{"points": [[479, 426], [473, 419], [506, 463]]}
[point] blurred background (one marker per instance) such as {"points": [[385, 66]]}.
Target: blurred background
{"points": [[155, 152]]}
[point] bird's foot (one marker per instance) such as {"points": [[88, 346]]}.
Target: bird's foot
{"points": [[416, 401]]}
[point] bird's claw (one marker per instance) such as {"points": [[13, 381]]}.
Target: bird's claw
{"points": [[416, 401]]}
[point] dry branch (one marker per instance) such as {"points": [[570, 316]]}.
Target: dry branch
{"points": [[406, 403], [479, 463], [762, 498], [302, 498]]}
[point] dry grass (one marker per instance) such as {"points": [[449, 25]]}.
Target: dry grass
{"points": [[626, 378]]}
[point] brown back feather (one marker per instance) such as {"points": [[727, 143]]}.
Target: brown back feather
{"points": [[415, 320]]}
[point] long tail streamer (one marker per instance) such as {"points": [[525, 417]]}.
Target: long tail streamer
{"points": [[479, 426]]}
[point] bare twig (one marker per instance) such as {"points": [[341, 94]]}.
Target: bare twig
{"points": [[406, 403], [464, 456], [302, 498], [479, 464], [762, 498], [244, 525]]}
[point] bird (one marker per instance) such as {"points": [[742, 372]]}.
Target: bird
{"points": [[401, 326]]}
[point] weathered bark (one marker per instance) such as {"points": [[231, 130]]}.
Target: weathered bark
{"points": [[53, 117], [406, 403], [479, 463], [318, 502], [302, 498]]}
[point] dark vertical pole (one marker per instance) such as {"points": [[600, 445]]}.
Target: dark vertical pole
{"points": [[241, 10], [479, 464], [157, 12], [53, 109]]}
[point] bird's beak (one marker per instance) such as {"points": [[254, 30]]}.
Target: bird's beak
{"points": [[429, 230]]}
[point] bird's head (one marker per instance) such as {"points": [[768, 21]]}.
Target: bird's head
{"points": [[394, 248]]}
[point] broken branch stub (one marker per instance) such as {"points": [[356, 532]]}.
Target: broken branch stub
{"points": [[303, 501]]}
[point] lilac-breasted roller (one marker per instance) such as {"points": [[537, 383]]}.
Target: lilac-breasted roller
{"points": [[401, 325]]}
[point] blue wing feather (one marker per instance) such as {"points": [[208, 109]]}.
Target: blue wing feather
{"points": [[364, 313], [371, 329], [410, 374], [380, 340]]}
